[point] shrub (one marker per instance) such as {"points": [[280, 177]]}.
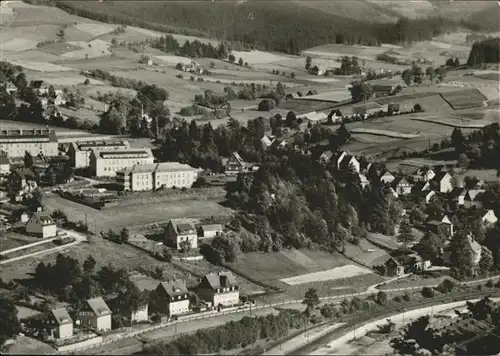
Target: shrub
{"points": [[428, 292], [406, 297], [417, 108], [446, 286], [267, 105], [398, 299], [489, 284], [381, 298]]}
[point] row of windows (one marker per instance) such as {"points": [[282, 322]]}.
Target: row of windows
{"points": [[178, 297]]}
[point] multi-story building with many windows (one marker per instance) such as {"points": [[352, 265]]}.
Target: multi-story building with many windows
{"points": [[108, 162], [155, 176], [79, 152], [17, 142]]}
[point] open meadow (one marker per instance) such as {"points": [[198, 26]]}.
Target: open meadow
{"points": [[132, 216]]}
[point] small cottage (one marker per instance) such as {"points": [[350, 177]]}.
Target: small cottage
{"points": [[60, 323], [180, 232], [41, 225], [209, 231], [95, 314]]}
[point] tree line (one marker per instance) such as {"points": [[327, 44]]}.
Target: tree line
{"points": [[233, 23], [487, 51]]}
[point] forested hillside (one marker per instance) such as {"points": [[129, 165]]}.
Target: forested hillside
{"points": [[269, 25], [487, 51]]}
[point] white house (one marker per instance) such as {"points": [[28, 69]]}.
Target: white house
{"points": [[387, 177], [346, 161], [443, 182], [488, 217], [175, 297], [95, 314], [141, 314], [208, 231], [42, 225], [220, 289], [60, 323], [179, 231]]}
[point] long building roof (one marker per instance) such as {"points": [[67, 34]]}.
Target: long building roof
{"points": [[33, 135], [124, 153], [158, 167]]}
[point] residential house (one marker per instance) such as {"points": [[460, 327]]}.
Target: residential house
{"points": [[317, 70], [141, 314], [108, 162], [234, 164], [346, 161], [474, 198], [278, 145], [427, 196], [401, 186], [458, 196], [487, 217], [443, 182], [364, 182], [23, 179], [474, 245], [10, 88], [60, 323], [180, 232], [474, 183], [209, 231], [59, 100], [220, 289], [17, 142], [79, 152], [267, 141], [24, 217], [4, 164], [95, 314], [175, 297], [367, 109], [41, 224], [39, 87], [424, 174], [325, 157], [440, 225], [147, 177], [384, 89], [387, 177], [420, 187], [413, 263], [392, 267]]}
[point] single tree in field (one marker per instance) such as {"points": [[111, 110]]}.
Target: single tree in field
{"points": [[231, 58], [21, 83], [280, 89], [60, 35], [361, 91], [407, 76], [124, 235], [89, 265], [28, 160], [308, 62], [9, 322], [430, 72], [311, 300], [405, 233], [240, 61]]}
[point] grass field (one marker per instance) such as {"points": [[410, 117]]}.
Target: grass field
{"points": [[386, 133], [343, 272], [137, 215], [366, 253], [304, 106], [271, 267], [464, 99], [12, 240]]}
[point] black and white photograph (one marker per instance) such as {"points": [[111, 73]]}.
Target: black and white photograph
{"points": [[250, 177]]}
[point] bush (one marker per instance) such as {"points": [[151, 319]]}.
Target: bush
{"points": [[428, 292], [267, 105], [446, 286], [406, 297], [398, 299], [489, 284], [417, 108], [381, 298]]}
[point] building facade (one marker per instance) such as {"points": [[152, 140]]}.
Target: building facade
{"points": [[149, 177], [60, 323], [179, 232], [15, 143], [234, 164], [79, 152], [220, 289], [107, 162], [95, 314], [41, 225], [175, 297]]}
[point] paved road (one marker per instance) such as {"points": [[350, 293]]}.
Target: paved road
{"points": [[78, 239], [237, 314]]}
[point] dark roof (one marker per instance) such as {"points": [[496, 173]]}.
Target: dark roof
{"points": [[184, 227], [37, 84], [220, 279], [439, 176], [4, 159], [174, 288], [29, 134]]}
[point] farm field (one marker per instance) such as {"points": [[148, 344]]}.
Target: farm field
{"points": [[271, 268], [366, 253], [464, 99], [134, 216], [386, 133], [301, 106], [343, 272]]}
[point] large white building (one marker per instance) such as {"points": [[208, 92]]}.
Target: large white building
{"points": [[79, 152], [108, 162], [147, 177], [17, 142]]}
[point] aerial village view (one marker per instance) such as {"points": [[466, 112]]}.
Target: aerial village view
{"points": [[250, 178]]}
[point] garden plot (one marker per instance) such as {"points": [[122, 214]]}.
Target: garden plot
{"points": [[328, 275], [464, 99], [95, 29]]}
